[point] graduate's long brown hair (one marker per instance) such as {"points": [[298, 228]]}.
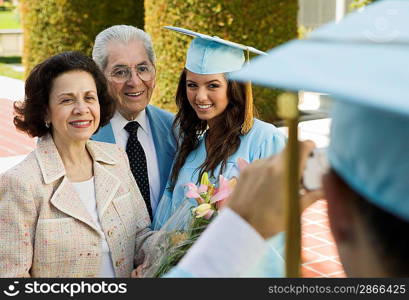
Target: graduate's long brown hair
{"points": [[224, 136]]}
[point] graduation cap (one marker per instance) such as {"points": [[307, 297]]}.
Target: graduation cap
{"points": [[213, 55], [363, 62]]}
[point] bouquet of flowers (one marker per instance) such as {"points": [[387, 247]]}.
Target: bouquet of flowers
{"points": [[186, 225]]}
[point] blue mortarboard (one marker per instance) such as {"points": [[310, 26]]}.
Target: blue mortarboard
{"points": [[208, 57], [213, 55], [363, 62]]}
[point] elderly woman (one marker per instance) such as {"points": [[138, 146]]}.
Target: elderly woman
{"points": [[72, 207]]}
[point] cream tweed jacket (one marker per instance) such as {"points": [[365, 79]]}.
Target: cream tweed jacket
{"points": [[46, 230]]}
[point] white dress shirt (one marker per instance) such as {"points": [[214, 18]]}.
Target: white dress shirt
{"points": [[86, 191], [118, 122]]}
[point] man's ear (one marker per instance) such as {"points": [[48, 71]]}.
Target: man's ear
{"points": [[341, 211]]}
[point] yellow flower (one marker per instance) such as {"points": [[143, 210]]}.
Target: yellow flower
{"points": [[205, 179], [203, 210]]}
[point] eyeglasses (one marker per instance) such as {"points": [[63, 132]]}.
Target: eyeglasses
{"points": [[123, 74]]}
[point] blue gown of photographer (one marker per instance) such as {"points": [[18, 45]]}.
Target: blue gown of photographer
{"points": [[262, 141]]}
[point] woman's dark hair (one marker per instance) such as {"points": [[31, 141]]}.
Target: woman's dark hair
{"points": [[30, 115], [387, 233], [224, 137]]}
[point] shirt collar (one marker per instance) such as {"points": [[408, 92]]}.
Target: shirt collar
{"points": [[119, 121]]}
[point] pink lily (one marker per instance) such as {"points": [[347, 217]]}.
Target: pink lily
{"points": [[202, 189], [223, 192], [194, 192], [209, 214]]}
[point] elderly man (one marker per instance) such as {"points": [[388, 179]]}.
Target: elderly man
{"points": [[125, 54]]}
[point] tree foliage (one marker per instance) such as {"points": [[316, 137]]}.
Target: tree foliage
{"points": [[52, 26]]}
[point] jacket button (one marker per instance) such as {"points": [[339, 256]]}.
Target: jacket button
{"points": [[110, 233], [118, 263]]}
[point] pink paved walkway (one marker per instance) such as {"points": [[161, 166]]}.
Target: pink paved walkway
{"points": [[12, 142], [319, 253]]}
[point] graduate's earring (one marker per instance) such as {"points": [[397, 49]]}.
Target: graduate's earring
{"points": [[47, 122]]}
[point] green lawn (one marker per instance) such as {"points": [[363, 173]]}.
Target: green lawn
{"points": [[8, 71], [9, 20]]}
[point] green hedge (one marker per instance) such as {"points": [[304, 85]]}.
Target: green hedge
{"points": [[7, 6], [52, 26], [262, 24]]}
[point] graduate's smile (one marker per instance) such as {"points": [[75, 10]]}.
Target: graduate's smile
{"points": [[204, 107]]}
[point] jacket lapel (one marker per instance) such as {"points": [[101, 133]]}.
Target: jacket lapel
{"points": [[64, 198], [158, 136], [49, 160], [106, 183], [106, 186]]}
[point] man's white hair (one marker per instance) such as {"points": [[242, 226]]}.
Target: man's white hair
{"points": [[120, 33]]}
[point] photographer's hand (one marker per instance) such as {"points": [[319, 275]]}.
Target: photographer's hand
{"points": [[259, 195]]}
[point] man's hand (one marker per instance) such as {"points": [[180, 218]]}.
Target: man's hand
{"points": [[259, 194]]}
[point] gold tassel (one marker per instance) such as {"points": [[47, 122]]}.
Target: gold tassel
{"points": [[288, 110], [248, 111]]}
